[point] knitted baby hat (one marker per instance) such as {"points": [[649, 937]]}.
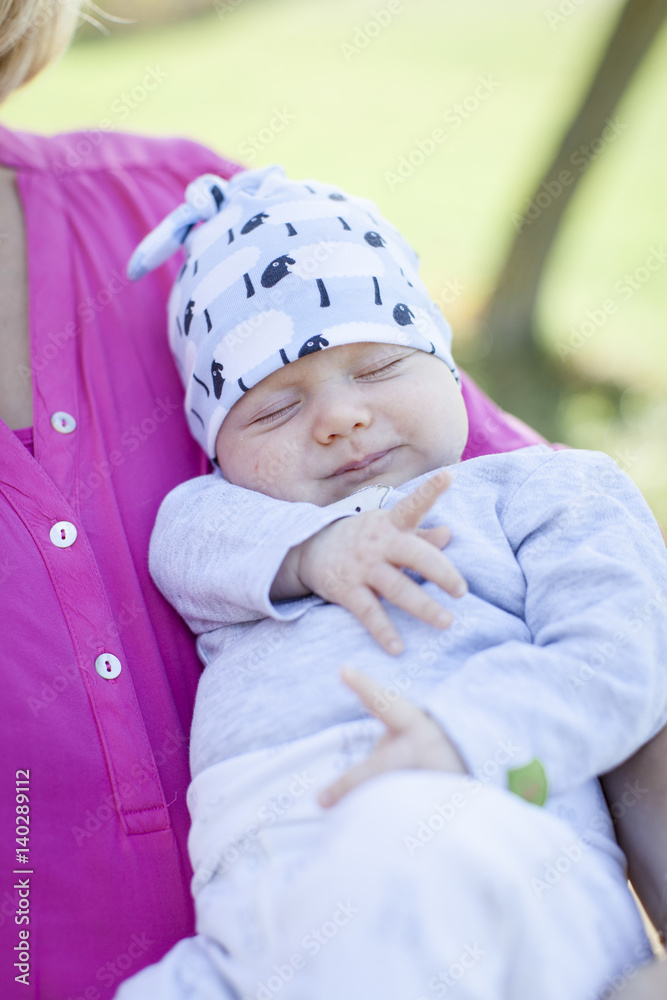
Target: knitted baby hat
{"points": [[276, 269]]}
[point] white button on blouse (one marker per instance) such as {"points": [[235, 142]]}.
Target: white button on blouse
{"points": [[108, 666], [63, 422], [63, 534]]}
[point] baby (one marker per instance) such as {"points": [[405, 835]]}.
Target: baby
{"points": [[434, 824]]}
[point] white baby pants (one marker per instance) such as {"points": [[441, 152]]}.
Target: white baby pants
{"points": [[416, 885]]}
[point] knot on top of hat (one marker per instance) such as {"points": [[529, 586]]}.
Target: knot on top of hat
{"points": [[205, 195], [203, 199]]}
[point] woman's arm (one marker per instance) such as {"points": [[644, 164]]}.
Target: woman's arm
{"points": [[637, 795]]}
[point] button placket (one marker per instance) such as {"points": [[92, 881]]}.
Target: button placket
{"points": [[49, 487]]}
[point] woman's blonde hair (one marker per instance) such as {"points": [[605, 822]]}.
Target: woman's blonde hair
{"points": [[32, 34]]}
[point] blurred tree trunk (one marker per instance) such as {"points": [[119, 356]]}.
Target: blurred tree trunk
{"points": [[517, 372]]}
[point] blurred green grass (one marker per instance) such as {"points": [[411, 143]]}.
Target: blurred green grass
{"points": [[358, 110]]}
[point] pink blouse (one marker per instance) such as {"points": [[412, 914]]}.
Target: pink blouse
{"points": [[99, 672]]}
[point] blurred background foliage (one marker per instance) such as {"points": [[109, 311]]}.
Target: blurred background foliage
{"points": [[352, 91]]}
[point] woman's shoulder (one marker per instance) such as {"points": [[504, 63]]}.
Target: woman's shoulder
{"points": [[72, 154]]}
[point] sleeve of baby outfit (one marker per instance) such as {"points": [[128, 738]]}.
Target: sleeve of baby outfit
{"points": [[592, 687], [216, 548]]}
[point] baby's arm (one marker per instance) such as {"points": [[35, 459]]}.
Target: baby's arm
{"points": [[222, 554], [216, 549], [592, 685]]}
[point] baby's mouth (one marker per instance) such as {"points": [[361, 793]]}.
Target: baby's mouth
{"points": [[363, 463]]}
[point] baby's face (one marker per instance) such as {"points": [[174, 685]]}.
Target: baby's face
{"points": [[293, 436]]}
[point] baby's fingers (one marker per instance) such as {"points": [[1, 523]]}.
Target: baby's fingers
{"points": [[426, 559], [355, 776], [411, 510], [364, 605], [397, 587], [439, 536]]}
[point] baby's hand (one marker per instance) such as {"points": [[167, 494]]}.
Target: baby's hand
{"points": [[356, 558], [413, 740]]}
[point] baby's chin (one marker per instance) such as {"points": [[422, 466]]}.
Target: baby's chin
{"points": [[331, 489], [329, 493], [322, 493]]}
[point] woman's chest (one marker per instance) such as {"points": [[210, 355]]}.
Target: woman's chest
{"points": [[15, 381]]}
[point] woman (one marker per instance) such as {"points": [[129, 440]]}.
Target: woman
{"points": [[100, 673]]}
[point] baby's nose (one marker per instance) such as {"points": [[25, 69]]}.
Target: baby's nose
{"points": [[339, 412]]}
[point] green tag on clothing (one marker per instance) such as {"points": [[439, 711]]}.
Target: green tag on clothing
{"points": [[529, 782]]}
